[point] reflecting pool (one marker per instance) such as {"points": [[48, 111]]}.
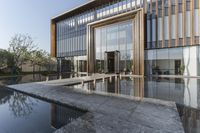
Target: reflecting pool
{"points": [[184, 91], [20, 113], [34, 78]]}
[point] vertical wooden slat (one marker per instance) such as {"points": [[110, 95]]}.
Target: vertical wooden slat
{"points": [[177, 36], [157, 23], [199, 20], [192, 22], [170, 22], [136, 46], [151, 40], [133, 29], [163, 23], [136, 43], [184, 22], [53, 39], [141, 43], [88, 50]]}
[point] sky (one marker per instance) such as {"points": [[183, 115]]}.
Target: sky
{"points": [[31, 17]]}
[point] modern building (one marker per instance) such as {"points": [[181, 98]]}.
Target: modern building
{"points": [[141, 37]]}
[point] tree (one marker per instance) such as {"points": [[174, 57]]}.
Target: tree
{"points": [[36, 58], [3, 59], [49, 63], [6, 59], [21, 46], [42, 58]]}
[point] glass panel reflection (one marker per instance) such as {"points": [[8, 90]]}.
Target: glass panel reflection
{"points": [[115, 37], [184, 91], [23, 114]]}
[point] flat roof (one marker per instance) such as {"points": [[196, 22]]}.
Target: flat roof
{"points": [[80, 9]]}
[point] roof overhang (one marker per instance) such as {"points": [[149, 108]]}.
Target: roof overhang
{"points": [[80, 9]]}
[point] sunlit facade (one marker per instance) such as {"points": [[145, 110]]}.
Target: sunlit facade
{"points": [[141, 37]]}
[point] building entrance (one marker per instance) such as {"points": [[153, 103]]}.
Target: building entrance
{"points": [[111, 62], [116, 44]]}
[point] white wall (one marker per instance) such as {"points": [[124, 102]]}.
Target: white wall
{"points": [[190, 93], [189, 55], [190, 61]]}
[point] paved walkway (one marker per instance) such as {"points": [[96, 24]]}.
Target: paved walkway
{"points": [[75, 80], [108, 114]]}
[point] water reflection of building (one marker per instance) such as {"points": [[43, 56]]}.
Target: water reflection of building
{"points": [[125, 86], [61, 115], [190, 118], [183, 91]]}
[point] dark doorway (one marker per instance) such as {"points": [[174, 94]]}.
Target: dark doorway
{"points": [[177, 67], [111, 62]]}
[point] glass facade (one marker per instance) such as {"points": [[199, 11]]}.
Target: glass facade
{"points": [[71, 32], [71, 39], [74, 64], [71, 35], [115, 37], [171, 33], [170, 22], [173, 61]]}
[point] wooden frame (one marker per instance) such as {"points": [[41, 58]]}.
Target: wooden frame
{"points": [[138, 42], [184, 22], [192, 22], [53, 39], [170, 22], [144, 8]]}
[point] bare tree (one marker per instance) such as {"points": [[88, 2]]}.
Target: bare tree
{"points": [[36, 58], [21, 46], [6, 59], [3, 59], [49, 63]]}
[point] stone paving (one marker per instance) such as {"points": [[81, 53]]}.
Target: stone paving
{"points": [[75, 80], [109, 114]]}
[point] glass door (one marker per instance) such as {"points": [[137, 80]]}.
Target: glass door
{"points": [[117, 60], [105, 62]]}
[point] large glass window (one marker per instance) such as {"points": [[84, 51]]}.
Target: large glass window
{"points": [[115, 37], [71, 32], [173, 61]]}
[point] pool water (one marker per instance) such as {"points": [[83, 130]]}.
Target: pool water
{"points": [[20, 113], [184, 91], [33, 78]]}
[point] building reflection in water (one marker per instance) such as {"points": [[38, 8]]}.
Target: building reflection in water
{"points": [[184, 91], [190, 118], [61, 115], [124, 86]]}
